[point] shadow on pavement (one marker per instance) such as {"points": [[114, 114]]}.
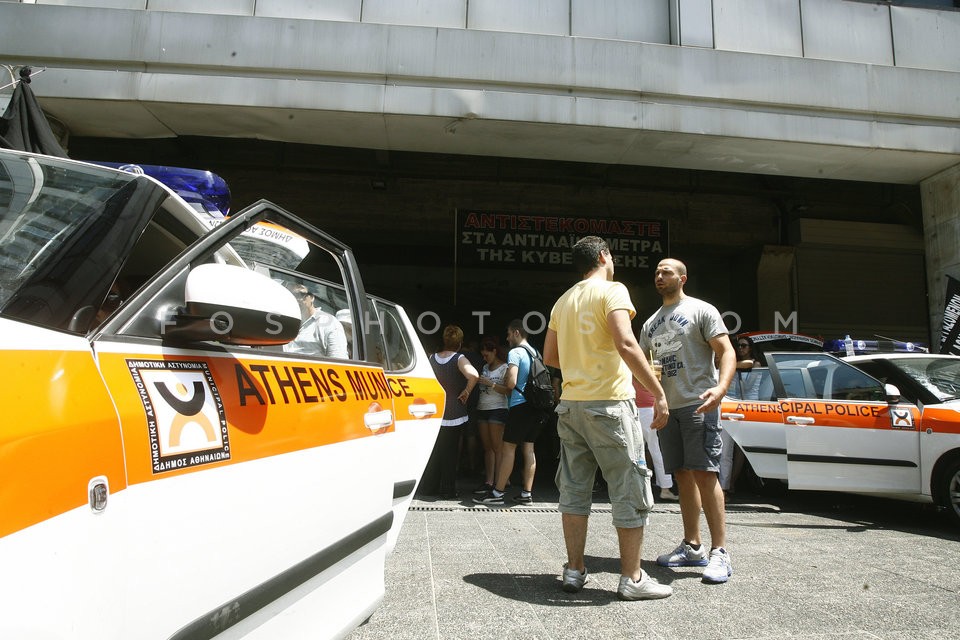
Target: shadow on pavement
{"points": [[864, 513], [538, 589], [544, 589]]}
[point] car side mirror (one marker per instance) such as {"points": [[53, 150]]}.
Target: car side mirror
{"points": [[892, 393], [233, 305]]}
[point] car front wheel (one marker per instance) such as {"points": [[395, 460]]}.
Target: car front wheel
{"points": [[951, 491]]}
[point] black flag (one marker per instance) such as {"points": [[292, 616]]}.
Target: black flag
{"points": [[23, 125], [950, 330]]}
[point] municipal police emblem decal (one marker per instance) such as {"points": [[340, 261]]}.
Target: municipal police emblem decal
{"points": [[901, 419], [185, 418]]}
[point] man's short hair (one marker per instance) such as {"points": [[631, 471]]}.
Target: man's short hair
{"points": [[517, 325], [678, 266], [586, 253]]}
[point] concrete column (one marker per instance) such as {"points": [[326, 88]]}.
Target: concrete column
{"points": [[940, 196]]}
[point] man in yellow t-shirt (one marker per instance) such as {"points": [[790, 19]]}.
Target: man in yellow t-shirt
{"points": [[589, 338]]}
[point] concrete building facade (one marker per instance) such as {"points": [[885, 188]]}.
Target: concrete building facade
{"points": [[803, 153]]}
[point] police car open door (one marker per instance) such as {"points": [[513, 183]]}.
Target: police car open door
{"points": [[841, 433], [751, 414], [253, 432]]}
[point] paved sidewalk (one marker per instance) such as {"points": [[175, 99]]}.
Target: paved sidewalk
{"points": [[468, 572]]}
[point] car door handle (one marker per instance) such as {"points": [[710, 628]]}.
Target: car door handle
{"points": [[732, 416], [376, 420], [423, 410], [800, 420]]}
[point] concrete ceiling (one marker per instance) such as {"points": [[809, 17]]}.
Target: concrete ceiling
{"points": [[545, 141]]}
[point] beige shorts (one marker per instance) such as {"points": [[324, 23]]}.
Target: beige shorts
{"points": [[604, 434]]}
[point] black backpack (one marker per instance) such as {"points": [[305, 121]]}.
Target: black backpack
{"points": [[539, 389]]}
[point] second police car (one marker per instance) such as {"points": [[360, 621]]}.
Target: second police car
{"points": [[885, 424]]}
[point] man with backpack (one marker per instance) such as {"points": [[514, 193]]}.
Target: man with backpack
{"points": [[525, 418], [590, 339]]}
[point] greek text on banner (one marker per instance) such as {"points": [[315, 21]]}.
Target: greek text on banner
{"points": [[512, 240]]}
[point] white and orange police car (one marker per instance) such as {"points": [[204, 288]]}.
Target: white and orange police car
{"points": [[882, 424], [169, 467]]}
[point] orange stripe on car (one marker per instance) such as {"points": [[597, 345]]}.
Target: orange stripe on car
{"points": [[941, 420], [180, 414], [53, 442], [841, 414], [753, 410], [310, 404], [408, 392]]}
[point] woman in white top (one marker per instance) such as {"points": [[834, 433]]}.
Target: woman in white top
{"points": [[491, 408]]}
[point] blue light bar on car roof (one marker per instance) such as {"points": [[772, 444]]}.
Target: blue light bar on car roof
{"points": [[874, 346], [203, 190]]}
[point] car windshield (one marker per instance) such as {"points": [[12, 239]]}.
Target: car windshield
{"points": [[941, 376], [64, 230]]}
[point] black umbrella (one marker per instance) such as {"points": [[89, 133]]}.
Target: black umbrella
{"points": [[23, 125]]}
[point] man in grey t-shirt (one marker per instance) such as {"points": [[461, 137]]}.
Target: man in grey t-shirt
{"points": [[684, 335]]}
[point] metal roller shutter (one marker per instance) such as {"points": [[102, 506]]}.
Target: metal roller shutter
{"points": [[864, 279]]}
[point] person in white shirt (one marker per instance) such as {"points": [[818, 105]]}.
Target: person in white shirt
{"points": [[491, 409], [321, 334]]}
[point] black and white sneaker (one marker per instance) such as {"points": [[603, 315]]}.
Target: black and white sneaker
{"points": [[483, 489], [523, 499], [490, 498]]}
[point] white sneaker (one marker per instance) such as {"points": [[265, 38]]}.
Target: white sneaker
{"points": [[719, 568], [668, 495], [646, 589], [684, 556], [573, 580]]}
